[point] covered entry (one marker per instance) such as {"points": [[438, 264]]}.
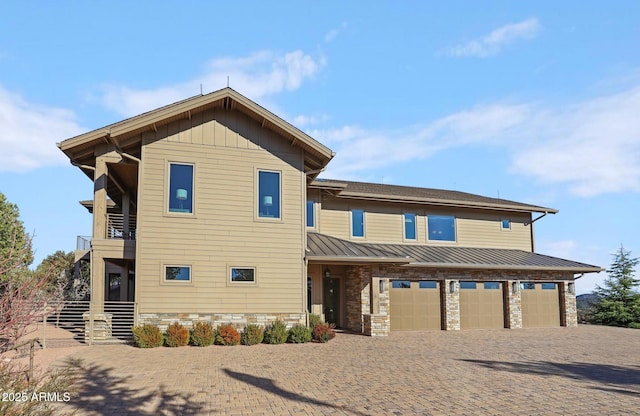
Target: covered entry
{"points": [[415, 305], [481, 305], [540, 304]]}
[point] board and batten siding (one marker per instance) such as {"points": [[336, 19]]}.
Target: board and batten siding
{"points": [[384, 223], [226, 148]]}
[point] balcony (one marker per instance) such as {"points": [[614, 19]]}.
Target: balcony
{"points": [[117, 229]]}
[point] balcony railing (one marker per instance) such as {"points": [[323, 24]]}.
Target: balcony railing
{"points": [[83, 242], [116, 227]]}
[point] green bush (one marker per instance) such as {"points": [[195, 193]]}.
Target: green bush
{"points": [[147, 336], [299, 334], [176, 335], [276, 333], [323, 332], [635, 325], [226, 334], [252, 334], [314, 320], [202, 334]]}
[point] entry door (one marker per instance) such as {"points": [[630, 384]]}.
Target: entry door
{"points": [[331, 301]]}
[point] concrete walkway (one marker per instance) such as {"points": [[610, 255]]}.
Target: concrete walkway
{"points": [[560, 371]]}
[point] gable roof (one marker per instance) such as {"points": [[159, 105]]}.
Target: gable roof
{"points": [[410, 194], [330, 249], [124, 133]]}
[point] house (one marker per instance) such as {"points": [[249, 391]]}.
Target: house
{"points": [[211, 209]]}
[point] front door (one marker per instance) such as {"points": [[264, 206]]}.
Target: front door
{"points": [[331, 302]]}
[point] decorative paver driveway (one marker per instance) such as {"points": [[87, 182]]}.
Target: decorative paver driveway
{"points": [[559, 371]]}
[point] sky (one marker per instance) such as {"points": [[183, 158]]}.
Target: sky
{"points": [[532, 101]]}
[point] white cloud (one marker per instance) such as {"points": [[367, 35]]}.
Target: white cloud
{"points": [[331, 35], [590, 147], [492, 44], [257, 75], [29, 132]]}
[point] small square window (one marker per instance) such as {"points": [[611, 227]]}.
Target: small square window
{"points": [[357, 223], [180, 188], [401, 284], [467, 285], [548, 286], [506, 224], [177, 273], [409, 226], [491, 285], [310, 214], [441, 228], [243, 275], [527, 286], [428, 284], [268, 194]]}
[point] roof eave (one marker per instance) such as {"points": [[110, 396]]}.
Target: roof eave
{"points": [[444, 202], [585, 269], [341, 259]]}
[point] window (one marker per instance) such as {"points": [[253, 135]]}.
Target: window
{"points": [[441, 228], [527, 286], [243, 275], [506, 224], [268, 194], [548, 286], [428, 284], [310, 214], [357, 223], [400, 284], [180, 188], [491, 285], [467, 285], [177, 273], [409, 226]]}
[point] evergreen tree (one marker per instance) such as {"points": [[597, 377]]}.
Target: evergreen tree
{"points": [[619, 302], [15, 243]]}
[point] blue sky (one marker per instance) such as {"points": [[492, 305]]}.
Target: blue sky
{"points": [[537, 102]]}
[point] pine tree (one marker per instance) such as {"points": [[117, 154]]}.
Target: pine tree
{"points": [[619, 302]]}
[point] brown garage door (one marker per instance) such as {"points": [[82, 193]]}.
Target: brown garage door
{"points": [[481, 305], [415, 305], [540, 304]]}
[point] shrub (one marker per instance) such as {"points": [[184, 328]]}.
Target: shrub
{"points": [[252, 334], [634, 325], [314, 320], [276, 333], [323, 332], [226, 334], [147, 336], [202, 334], [299, 334], [176, 335]]}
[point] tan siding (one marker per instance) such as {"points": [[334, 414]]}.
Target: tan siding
{"points": [[223, 231], [384, 223]]}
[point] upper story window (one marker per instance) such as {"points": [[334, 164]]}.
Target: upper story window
{"points": [[441, 227], [311, 220], [268, 194], [357, 223], [409, 226], [505, 224], [180, 188]]}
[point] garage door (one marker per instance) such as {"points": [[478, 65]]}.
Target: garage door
{"points": [[481, 305], [415, 305], [540, 304]]}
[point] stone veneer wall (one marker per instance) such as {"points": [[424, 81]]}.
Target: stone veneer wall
{"points": [[376, 324], [357, 296], [568, 303], [514, 304], [238, 320], [451, 307]]}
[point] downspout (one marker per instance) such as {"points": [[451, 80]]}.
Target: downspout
{"points": [[533, 244]]}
